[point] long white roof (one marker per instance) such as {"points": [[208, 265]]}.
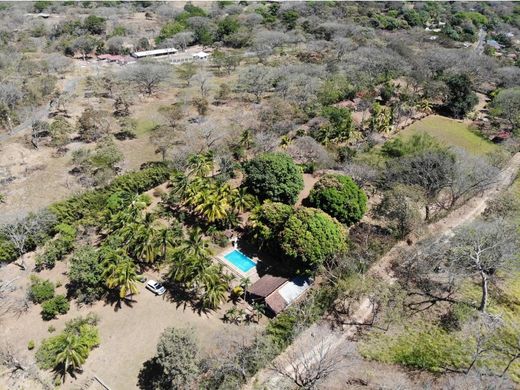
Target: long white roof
{"points": [[156, 52]]}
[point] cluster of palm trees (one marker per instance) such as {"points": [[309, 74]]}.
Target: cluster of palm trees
{"points": [[192, 267], [134, 236], [198, 191]]}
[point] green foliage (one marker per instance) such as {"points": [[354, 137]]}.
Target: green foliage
{"points": [[339, 197], [417, 143], [339, 127], [83, 330], [86, 280], [268, 221], [334, 90], [8, 251], [89, 205], [54, 306], [169, 30], [423, 346], [461, 99], [40, 6], [55, 250], [227, 26], [311, 237], [31, 345], [176, 363], [40, 290], [94, 24], [273, 176]]}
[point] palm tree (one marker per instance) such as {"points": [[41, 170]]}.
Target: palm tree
{"points": [[241, 200], [121, 272], [168, 238], [195, 245], [285, 141], [73, 353], [200, 165], [257, 312], [213, 206], [180, 184], [214, 285]]}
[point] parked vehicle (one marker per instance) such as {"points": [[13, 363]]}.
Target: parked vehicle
{"points": [[155, 287]]}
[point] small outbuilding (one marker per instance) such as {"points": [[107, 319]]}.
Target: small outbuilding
{"points": [[201, 55], [278, 293]]}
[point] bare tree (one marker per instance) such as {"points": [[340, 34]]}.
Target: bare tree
{"points": [[255, 80], [307, 367], [306, 150], [147, 76], [26, 230], [485, 249]]}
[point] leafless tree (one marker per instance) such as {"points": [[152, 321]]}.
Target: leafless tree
{"points": [[307, 367], [203, 82], [147, 76], [485, 249], [306, 150], [255, 80], [24, 230], [472, 175]]}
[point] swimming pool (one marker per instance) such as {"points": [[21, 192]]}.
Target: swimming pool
{"points": [[239, 260]]}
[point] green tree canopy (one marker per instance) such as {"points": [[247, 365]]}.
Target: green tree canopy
{"points": [[274, 176], [176, 363], [460, 99], [311, 237], [340, 197]]}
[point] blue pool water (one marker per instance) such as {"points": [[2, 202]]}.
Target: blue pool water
{"points": [[239, 260]]}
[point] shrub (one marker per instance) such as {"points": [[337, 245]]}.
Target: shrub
{"points": [[30, 345], [425, 346], [59, 247], [51, 329], [85, 275], [311, 237], [40, 290], [274, 176], [340, 197], [54, 306], [84, 328]]}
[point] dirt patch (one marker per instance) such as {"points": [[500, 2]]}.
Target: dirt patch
{"points": [[129, 334]]}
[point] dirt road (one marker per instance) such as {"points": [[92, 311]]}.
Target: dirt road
{"points": [[331, 339]]}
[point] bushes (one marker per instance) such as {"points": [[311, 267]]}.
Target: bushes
{"points": [[56, 249], [82, 328], [274, 176], [425, 346], [88, 205], [54, 306], [40, 290], [340, 197], [85, 275]]}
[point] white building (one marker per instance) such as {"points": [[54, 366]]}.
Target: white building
{"points": [[154, 53]]}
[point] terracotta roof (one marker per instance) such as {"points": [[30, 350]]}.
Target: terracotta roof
{"points": [[266, 285], [276, 302]]}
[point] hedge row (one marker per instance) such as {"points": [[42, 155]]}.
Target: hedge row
{"points": [[85, 208]]}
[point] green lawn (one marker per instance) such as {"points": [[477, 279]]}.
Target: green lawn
{"points": [[144, 126], [451, 133]]}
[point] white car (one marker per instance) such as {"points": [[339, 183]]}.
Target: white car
{"points": [[155, 287]]}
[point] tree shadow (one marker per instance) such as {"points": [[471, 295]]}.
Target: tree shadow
{"points": [[184, 298], [146, 380], [113, 299]]}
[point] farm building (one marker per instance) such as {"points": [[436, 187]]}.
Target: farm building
{"points": [[154, 53], [278, 293], [201, 56]]}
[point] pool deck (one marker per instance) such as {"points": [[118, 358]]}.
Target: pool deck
{"points": [[252, 274]]}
